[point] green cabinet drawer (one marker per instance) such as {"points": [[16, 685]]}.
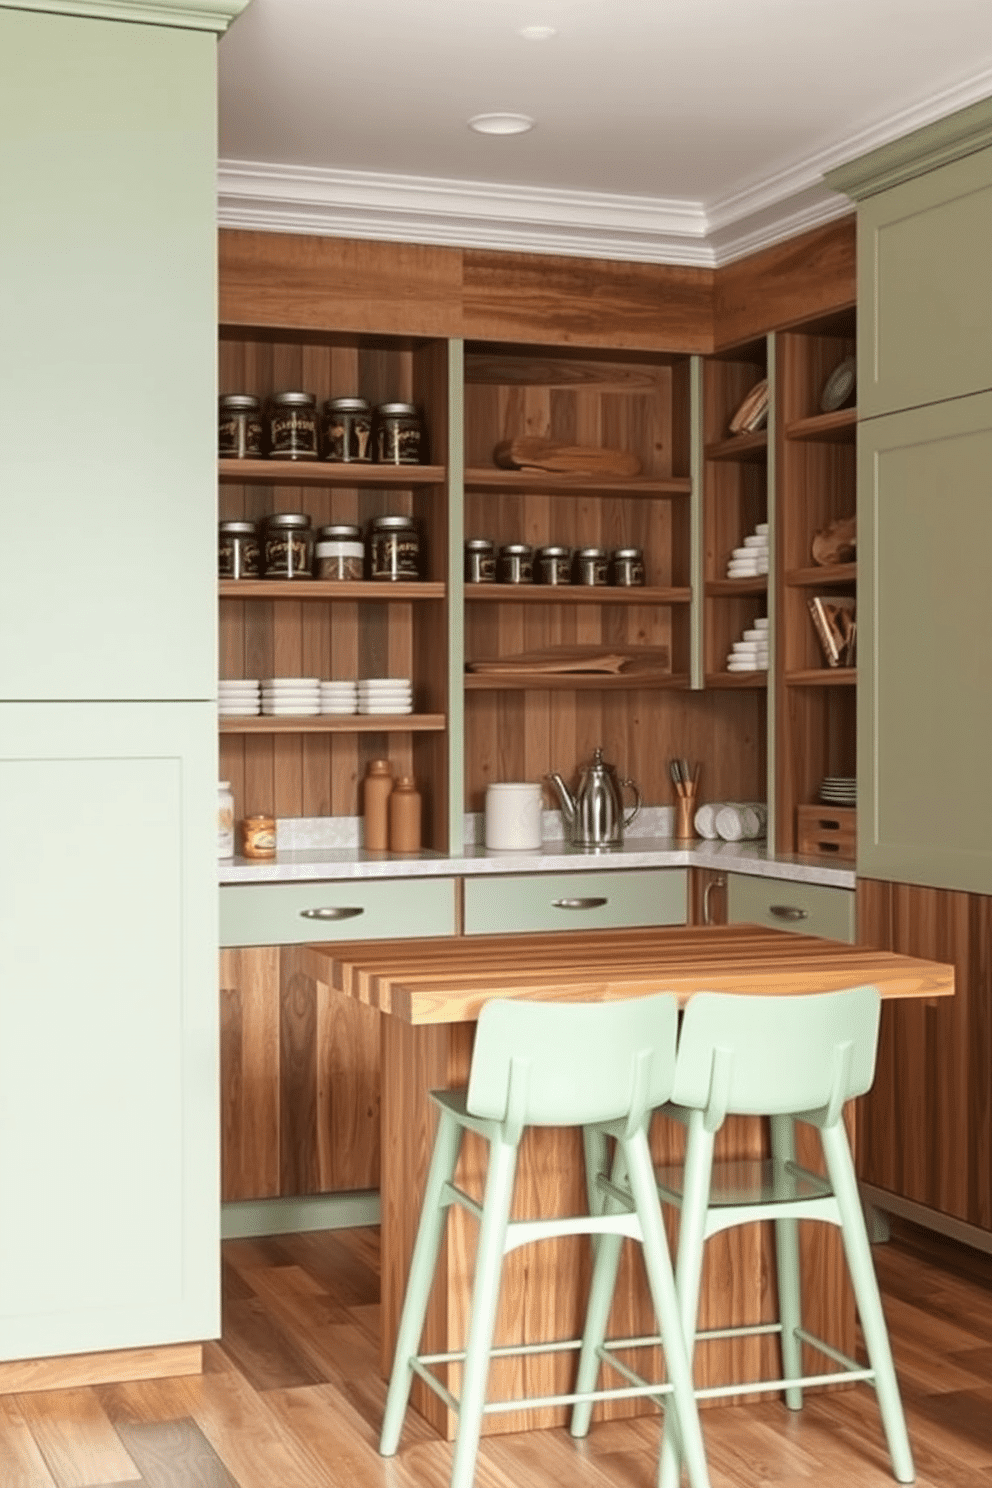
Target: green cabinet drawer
{"points": [[574, 901], [296, 913], [806, 909]]}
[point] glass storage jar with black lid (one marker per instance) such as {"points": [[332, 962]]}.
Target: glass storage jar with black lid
{"points": [[239, 427], [288, 546], [340, 552], [480, 561], [238, 554], [516, 563], [394, 548], [293, 426], [398, 434], [554, 565], [628, 567], [347, 426], [592, 566]]}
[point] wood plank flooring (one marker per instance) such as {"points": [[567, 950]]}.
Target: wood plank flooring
{"points": [[291, 1397]]}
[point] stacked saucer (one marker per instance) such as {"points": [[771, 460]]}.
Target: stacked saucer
{"points": [[385, 695], [291, 697], [238, 699], [750, 561], [839, 790], [339, 697], [750, 653]]}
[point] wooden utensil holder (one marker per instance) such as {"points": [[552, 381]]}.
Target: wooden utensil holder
{"points": [[685, 810]]}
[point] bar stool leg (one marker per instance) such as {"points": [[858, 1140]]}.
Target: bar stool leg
{"points": [[485, 1301], [606, 1264], [858, 1252], [422, 1266], [666, 1305], [783, 1131]]}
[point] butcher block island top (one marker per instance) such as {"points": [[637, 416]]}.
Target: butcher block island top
{"points": [[448, 980]]}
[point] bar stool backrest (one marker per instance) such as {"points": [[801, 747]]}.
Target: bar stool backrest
{"points": [[569, 1064], [768, 1056]]}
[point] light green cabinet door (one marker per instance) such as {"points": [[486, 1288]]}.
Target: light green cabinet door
{"points": [[925, 646], [109, 1104], [783, 904], [108, 336], [925, 288]]}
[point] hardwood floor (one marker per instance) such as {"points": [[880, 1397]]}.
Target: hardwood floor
{"points": [[291, 1397]]}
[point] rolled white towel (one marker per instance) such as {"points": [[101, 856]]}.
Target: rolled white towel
{"points": [[741, 821], [704, 820]]}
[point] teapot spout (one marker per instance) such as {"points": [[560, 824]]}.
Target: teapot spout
{"points": [[566, 800]]}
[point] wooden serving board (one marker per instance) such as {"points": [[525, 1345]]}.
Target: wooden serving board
{"points": [[529, 452], [616, 661]]}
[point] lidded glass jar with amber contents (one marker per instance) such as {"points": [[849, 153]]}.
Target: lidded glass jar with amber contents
{"points": [[398, 434], [288, 546], [394, 548], [293, 426], [239, 427], [237, 551], [348, 431]]}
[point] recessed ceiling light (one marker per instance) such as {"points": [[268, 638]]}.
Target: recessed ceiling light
{"points": [[501, 123], [538, 33]]}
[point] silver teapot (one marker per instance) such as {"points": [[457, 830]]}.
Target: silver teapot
{"points": [[594, 816]]}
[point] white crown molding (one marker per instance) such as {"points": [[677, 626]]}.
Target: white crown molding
{"points": [[195, 15], [588, 224]]}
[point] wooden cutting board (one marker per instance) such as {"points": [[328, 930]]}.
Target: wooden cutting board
{"points": [[612, 661], [528, 452]]}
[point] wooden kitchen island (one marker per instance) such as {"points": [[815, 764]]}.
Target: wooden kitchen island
{"points": [[429, 993]]}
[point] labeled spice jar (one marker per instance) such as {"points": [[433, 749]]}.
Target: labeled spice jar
{"points": [[592, 566], [398, 434], [627, 567], [554, 566], [288, 546], [347, 426], [293, 426], [239, 427], [339, 552], [516, 564], [238, 555], [394, 548], [258, 837], [480, 561]]}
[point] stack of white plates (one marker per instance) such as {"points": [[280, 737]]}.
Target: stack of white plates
{"points": [[839, 790], [291, 697], [750, 653], [751, 560], [385, 695], [339, 697], [238, 699]]}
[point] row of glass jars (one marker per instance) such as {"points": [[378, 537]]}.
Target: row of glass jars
{"points": [[286, 546], [345, 431], [519, 563]]}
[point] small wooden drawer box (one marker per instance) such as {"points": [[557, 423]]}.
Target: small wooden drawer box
{"points": [[827, 830]]}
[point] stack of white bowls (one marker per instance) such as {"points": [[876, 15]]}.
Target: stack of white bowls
{"points": [[339, 697], [385, 695], [238, 699], [750, 653], [750, 561], [291, 697]]}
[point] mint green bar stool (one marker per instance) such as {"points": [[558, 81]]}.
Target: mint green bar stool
{"points": [[546, 1064], [791, 1059]]}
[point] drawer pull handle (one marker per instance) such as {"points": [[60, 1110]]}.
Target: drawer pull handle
{"points": [[788, 912], [578, 903], [333, 912]]}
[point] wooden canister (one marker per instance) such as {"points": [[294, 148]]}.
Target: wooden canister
{"points": [[404, 816], [376, 790]]}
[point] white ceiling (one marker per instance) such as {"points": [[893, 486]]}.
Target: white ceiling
{"points": [[671, 130]]}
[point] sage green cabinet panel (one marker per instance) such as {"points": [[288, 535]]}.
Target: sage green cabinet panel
{"points": [[925, 288], [782, 904], [108, 329], [575, 901], [925, 646], [372, 909], [109, 1105]]}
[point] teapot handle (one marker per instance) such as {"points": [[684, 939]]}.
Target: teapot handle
{"points": [[637, 804]]}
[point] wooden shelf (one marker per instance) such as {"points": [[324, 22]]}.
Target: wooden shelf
{"points": [[840, 427], [749, 447], [545, 483], [823, 677], [326, 473], [295, 589], [735, 588], [736, 679], [574, 594], [573, 682], [822, 578], [346, 723]]}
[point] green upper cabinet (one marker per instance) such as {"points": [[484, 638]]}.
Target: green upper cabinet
{"points": [[108, 329]]}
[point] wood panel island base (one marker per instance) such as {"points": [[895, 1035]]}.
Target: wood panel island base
{"points": [[429, 993]]}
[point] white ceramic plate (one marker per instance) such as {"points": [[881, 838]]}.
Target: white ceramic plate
{"points": [[290, 681], [377, 709], [294, 710]]}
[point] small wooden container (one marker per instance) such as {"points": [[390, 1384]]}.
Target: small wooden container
{"points": [[376, 790], [404, 816], [827, 831]]}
